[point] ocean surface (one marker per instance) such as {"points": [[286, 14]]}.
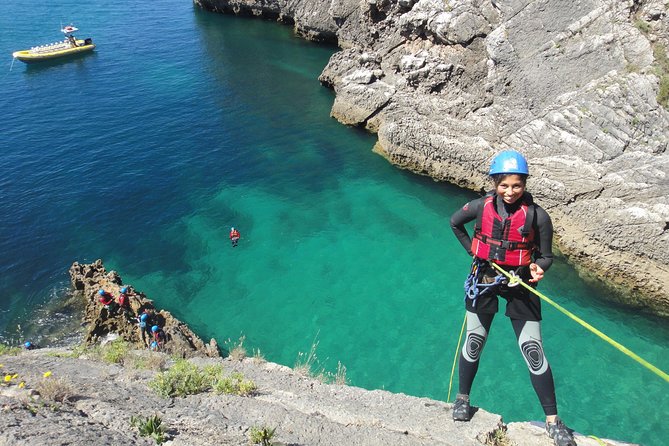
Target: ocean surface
{"points": [[184, 123]]}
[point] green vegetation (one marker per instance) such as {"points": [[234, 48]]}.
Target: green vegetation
{"points": [[662, 71], [7, 350], [184, 378], [307, 364], [150, 427], [261, 435], [234, 384], [115, 352], [663, 94], [498, 438], [642, 26]]}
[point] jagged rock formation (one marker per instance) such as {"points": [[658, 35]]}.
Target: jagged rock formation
{"points": [[100, 322], [446, 84], [97, 401]]}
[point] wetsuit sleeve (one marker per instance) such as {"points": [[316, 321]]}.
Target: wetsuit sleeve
{"points": [[543, 255], [463, 216]]}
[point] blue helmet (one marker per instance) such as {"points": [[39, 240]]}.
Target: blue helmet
{"points": [[124, 290], [144, 317], [155, 328], [509, 162], [101, 292], [28, 344]]}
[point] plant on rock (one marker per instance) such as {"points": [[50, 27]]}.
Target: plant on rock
{"points": [[150, 427], [261, 435]]}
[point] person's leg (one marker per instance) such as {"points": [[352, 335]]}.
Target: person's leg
{"points": [[528, 334], [477, 333], [478, 326]]}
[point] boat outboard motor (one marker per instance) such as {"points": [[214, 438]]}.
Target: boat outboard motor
{"points": [[88, 41]]}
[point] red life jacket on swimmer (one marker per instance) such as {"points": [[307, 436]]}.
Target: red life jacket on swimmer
{"points": [[505, 242]]}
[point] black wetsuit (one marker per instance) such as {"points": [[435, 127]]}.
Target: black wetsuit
{"points": [[523, 307]]}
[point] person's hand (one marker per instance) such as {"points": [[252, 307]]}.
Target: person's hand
{"points": [[537, 273]]}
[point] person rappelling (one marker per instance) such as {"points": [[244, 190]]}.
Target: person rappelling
{"points": [[516, 234]]}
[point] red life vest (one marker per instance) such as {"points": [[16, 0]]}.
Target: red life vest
{"points": [[234, 234], [123, 300], [106, 299], [505, 242]]}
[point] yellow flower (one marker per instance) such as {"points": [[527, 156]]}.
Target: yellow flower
{"points": [[8, 378], [22, 385], [47, 374]]}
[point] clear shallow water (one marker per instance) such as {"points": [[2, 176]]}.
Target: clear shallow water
{"points": [[183, 123]]}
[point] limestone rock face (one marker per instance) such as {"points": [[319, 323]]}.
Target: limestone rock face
{"points": [[102, 398], [103, 324], [447, 84]]}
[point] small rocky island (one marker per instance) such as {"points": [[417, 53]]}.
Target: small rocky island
{"points": [[582, 90], [112, 390]]}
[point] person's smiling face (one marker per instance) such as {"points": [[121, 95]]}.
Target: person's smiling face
{"points": [[511, 188]]}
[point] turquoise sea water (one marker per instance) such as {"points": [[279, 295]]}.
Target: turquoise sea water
{"points": [[184, 123]]}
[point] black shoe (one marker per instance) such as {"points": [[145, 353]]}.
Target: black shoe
{"points": [[461, 408], [561, 434]]}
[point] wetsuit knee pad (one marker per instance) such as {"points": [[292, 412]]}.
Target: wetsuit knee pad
{"points": [[531, 346], [476, 337]]}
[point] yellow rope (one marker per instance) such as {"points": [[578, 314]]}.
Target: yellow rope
{"points": [[622, 348], [455, 357], [598, 440]]}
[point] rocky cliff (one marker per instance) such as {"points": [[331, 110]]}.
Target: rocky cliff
{"points": [[84, 401], [103, 322], [580, 87]]}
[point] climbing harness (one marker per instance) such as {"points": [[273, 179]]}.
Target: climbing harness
{"points": [[477, 284], [572, 316]]}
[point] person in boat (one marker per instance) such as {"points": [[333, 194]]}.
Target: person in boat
{"points": [[515, 233], [72, 40], [234, 237]]}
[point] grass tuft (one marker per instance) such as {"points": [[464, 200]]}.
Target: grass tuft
{"points": [[235, 384], [184, 378], [9, 351], [262, 435], [236, 349], [152, 427], [55, 390]]}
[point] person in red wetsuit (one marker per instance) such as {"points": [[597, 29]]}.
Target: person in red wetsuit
{"points": [[516, 234], [234, 237]]}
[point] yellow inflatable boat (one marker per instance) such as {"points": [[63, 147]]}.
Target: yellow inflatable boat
{"points": [[67, 47]]}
